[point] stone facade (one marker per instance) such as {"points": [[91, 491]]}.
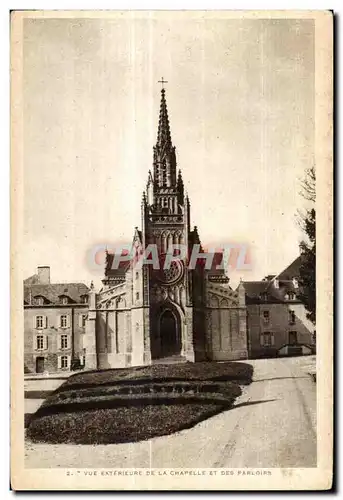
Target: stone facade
{"points": [[276, 318], [141, 313], [54, 323]]}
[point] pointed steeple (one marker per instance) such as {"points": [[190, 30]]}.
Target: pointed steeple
{"points": [[163, 134], [164, 151]]}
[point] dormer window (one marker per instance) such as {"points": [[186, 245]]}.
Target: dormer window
{"points": [[64, 300], [295, 283], [276, 283], [264, 296], [290, 296], [39, 301], [84, 299]]}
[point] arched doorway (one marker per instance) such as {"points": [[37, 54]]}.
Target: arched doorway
{"points": [[169, 329]]}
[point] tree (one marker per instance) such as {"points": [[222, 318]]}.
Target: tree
{"points": [[307, 276]]}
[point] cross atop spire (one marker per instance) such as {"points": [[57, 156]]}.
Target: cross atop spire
{"points": [[162, 81]]}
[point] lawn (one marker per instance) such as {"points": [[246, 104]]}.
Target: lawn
{"points": [[133, 404]]}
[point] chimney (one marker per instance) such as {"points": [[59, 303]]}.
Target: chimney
{"points": [[43, 275]]}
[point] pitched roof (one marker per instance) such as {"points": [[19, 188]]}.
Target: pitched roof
{"points": [[292, 271], [118, 272], [53, 291], [32, 280], [255, 291]]}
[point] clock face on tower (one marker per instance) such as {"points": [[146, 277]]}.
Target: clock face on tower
{"points": [[171, 275]]}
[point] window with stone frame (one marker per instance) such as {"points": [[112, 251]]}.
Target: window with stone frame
{"points": [[64, 362], [266, 316], [40, 342], [64, 341], [267, 339], [39, 321], [83, 319], [291, 317], [64, 321]]}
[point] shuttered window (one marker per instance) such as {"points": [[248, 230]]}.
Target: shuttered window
{"points": [[266, 316], [267, 339], [63, 362], [64, 341], [40, 342], [39, 321], [82, 320], [64, 321]]}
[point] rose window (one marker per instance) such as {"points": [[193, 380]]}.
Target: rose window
{"points": [[172, 274]]}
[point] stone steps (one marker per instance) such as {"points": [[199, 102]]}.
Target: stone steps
{"points": [[169, 360]]}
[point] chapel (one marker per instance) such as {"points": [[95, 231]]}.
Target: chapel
{"points": [[144, 315]]}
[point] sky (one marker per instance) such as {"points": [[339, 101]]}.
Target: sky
{"points": [[240, 97]]}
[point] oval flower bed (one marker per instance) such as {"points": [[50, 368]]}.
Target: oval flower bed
{"points": [[113, 406]]}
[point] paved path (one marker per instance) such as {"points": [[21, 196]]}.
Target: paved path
{"points": [[273, 424]]}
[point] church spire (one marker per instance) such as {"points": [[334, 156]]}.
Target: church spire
{"points": [[164, 151], [163, 134]]}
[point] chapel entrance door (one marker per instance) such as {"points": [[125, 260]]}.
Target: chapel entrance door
{"points": [[169, 334]]}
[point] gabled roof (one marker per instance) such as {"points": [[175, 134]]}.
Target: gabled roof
{"points": [[123, 266], [54, 291], [255, 290], [292, 271]]}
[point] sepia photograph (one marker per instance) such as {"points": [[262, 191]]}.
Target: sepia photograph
{"points": [[170, 173]]}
